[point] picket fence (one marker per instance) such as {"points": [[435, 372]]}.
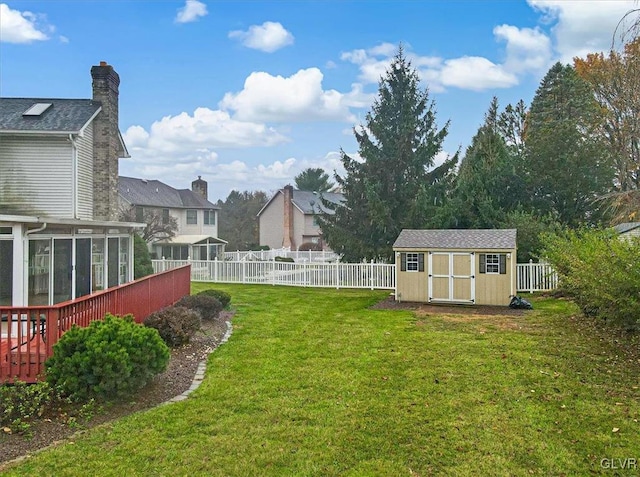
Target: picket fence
{"points": [[531, 276], [271, 254]]}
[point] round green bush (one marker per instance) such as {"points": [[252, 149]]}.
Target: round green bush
{"points": [[221, 296], [208, 307], [176, 324], [110, 358]]}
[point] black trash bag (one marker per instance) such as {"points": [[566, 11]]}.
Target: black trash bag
{"points": [[520, 303]]}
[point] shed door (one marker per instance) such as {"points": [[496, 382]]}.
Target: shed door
{"points": [[451, 277]]}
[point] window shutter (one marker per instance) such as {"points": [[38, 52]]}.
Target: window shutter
{"points": [[503, 263], [421, 262], [403, 262], [483, 263]]}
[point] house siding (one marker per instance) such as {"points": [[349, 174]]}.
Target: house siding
{"points": [[36, 176], [271, 223], [84, 146]]}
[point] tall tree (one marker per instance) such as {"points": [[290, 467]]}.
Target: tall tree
{"points": [[393, 186], [313, 179], [567, 165], [616, 84], [159, 226], [488, 184], [238, 219]]}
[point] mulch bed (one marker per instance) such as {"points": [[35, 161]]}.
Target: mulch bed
{"points": [[390, 303]]}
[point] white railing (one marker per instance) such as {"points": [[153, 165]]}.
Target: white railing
{"points": [[536, 277], [298, 256], [305, 274], [531, 276]]}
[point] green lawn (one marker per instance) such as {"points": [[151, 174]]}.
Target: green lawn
{"points": [[312, 382]]}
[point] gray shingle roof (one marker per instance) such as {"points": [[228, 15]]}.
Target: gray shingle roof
{"points": [[153, 193], [457, 239], [64, 116], [626, 227], [311, 203]]}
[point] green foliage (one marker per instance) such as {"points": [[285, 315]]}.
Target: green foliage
{"points": [[531, 230], [600, 272], [141, 260], [395, 185], [284, 259], [313, 179], [175, 324], [21, 402], [223, 297], [306, 246], [110, 358], [238, 219], [207, 306], [568, 166]]}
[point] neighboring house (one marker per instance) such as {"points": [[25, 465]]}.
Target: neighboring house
{"points": [[456, 266], [197, 218], [60, 237], [289, 219], [628, 230]]}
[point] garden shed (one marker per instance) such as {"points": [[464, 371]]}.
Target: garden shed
{"points": [[476, 267]]}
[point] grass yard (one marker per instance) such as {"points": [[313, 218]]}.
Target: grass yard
{"points": [[313, 383]]}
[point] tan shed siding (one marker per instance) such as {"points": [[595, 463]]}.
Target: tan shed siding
{"points": [[85, 174], [412, 286], [36, 176], [272, 223], [494, 289]]}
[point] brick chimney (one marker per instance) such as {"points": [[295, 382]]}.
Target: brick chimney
{"points": [[287, 235], [106, 142], [199, 186]]}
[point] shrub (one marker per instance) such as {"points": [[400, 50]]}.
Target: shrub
{"points": [[599, 272], [142, 265], [314, 247], [284, 259], [20, 402], [109, 358], [223, 297], [175, 324], [208, 307]]}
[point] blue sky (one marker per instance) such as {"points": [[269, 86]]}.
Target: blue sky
{"points": [[247, 94]]}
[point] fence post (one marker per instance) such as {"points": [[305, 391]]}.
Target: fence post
{"points": [[215, 269], [337, 276], [371, 274]]}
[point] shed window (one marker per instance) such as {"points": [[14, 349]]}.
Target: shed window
{"points": [[411, 262], [493, 263]]}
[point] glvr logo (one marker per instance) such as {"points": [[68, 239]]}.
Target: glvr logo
{"points": [[628, 463]]}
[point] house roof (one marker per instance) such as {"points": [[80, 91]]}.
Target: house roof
{"points": [[190, 240], [309, 202], [626, 227], [153, 193], [64, 116], [457, 239]]}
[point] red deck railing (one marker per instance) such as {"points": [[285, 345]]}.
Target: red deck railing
{"points": [[29, 333]]}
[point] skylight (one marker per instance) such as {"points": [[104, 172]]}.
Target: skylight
{"points": [[37, 109]]}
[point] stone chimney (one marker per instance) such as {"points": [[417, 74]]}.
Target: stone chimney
{"points": [[287, 233], [106, 142], [199, 186]]}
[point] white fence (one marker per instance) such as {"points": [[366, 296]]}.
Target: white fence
{"points": [[530, 276], [328, 275], [536, 277], [298, 256]]}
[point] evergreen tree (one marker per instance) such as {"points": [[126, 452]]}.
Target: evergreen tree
{"points": [[392, 186], [567, 165], [313, 179], [239, 221]]}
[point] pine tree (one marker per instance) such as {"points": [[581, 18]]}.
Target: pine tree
{"points": [[393, 186], [313, 179]]}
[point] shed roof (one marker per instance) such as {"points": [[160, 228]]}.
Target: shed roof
{"points": [[626, 227], [68, 116], [457, 239], [153, 193]]}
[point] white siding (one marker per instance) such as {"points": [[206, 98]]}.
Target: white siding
{"points": [[85, 175], [36, 176], [272, 223]]}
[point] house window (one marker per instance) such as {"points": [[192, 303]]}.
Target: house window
{"points": [[493, 263], [139, 214], [192, 217], [6, 265], [165, 216], [210, 217]]}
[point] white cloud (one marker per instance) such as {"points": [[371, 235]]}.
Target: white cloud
{"points": [[582, 27], [297, 98], [192, 10], [22, 27], [527, 50], [475, 73], [268, 37]]}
